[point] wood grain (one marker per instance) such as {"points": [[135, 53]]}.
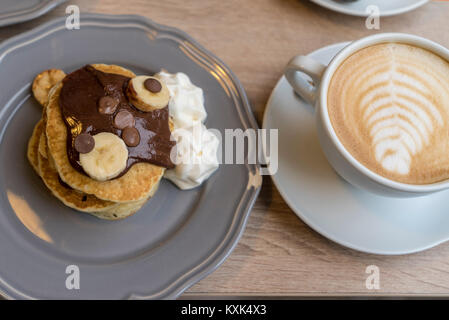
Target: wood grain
{"points": [[278, 254]]}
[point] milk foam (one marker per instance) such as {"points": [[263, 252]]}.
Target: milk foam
{"points": [[389, 105]]}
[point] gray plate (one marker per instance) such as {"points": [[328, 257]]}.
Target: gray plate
{"points": [[178, 237], [16, 11]]}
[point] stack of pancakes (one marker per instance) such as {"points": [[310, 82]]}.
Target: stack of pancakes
{"points": [[47, 153]]}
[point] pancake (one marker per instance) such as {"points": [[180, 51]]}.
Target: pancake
{"points": [[70, 197], [138, 183], [42, 147], [124, 210], [86, 203], [33, 145]]}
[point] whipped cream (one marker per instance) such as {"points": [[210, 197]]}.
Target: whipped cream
{"points": [[186, 105], [196, 159], [196, 146]]}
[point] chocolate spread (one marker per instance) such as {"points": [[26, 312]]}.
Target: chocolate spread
{"points": [[79, 98]]}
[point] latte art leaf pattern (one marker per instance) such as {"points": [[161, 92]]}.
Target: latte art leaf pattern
{"points": [[400, 117], [389, 105]]}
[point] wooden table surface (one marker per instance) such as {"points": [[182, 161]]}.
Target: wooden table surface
{"points": [[278, 254]]}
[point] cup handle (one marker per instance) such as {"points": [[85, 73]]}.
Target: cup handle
{"points": [[302, 86]]}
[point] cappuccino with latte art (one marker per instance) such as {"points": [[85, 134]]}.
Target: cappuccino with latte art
{"points": [[389, 106]]}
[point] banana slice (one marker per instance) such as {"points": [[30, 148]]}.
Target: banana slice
{"points": [[148, 93], [107, 159], [43, 83]]}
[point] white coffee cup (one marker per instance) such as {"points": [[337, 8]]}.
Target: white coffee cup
{"points": [[315, 93]]}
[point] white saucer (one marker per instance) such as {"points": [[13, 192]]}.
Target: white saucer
{"points": [[342, 213], [358, 8]]}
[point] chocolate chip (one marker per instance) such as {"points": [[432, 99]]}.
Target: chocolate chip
{"points": [[84, 143], [152, 85], [107, 105], [131, 136], [124, 119]]}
